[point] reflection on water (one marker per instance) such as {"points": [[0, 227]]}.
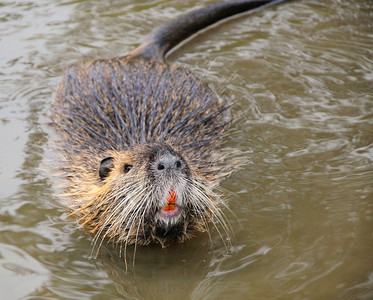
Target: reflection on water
{"points": [[301, 75]]}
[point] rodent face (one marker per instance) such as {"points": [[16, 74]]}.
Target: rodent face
{"points": [[149, 193]]}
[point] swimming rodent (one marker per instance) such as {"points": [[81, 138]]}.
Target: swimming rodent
{"points": [[142, 139]]}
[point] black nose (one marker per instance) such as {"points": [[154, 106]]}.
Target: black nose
{"points": [[168, 162]]}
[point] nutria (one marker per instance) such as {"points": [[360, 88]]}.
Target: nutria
{"points": [[142, 139]]}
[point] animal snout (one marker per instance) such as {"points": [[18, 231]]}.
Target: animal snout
{"points": [[168, 162]]}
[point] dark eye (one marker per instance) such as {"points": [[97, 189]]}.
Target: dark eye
{"points": [[127, 168], [106, 165]]}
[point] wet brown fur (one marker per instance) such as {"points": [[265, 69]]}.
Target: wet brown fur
{"points": [[135, 111], [85, 114]]}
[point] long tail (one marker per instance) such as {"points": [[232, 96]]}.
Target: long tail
{"points": [[163, 38]]}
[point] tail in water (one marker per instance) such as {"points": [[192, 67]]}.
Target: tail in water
{"points": [[165, 37]]}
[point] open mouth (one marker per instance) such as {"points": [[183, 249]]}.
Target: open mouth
{"points": [[170, 210]]}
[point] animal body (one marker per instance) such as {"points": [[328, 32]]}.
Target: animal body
{"points": [[142, 139]]}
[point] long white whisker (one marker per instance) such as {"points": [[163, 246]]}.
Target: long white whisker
{"points": [[123, 197], [145, 210], [212, 209]]}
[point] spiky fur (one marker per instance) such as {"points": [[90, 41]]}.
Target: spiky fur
{"points": [[130, 109]]}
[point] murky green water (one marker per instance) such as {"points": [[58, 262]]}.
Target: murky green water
{"points": [[302, 77]]}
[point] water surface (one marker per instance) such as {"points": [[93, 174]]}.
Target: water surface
{"points": [[302, 208]]}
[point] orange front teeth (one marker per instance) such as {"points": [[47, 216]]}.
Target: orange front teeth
{"points": [[171, 199], [168, 207]]}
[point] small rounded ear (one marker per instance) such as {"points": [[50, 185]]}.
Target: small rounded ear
{"points": [[105, 167]]}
